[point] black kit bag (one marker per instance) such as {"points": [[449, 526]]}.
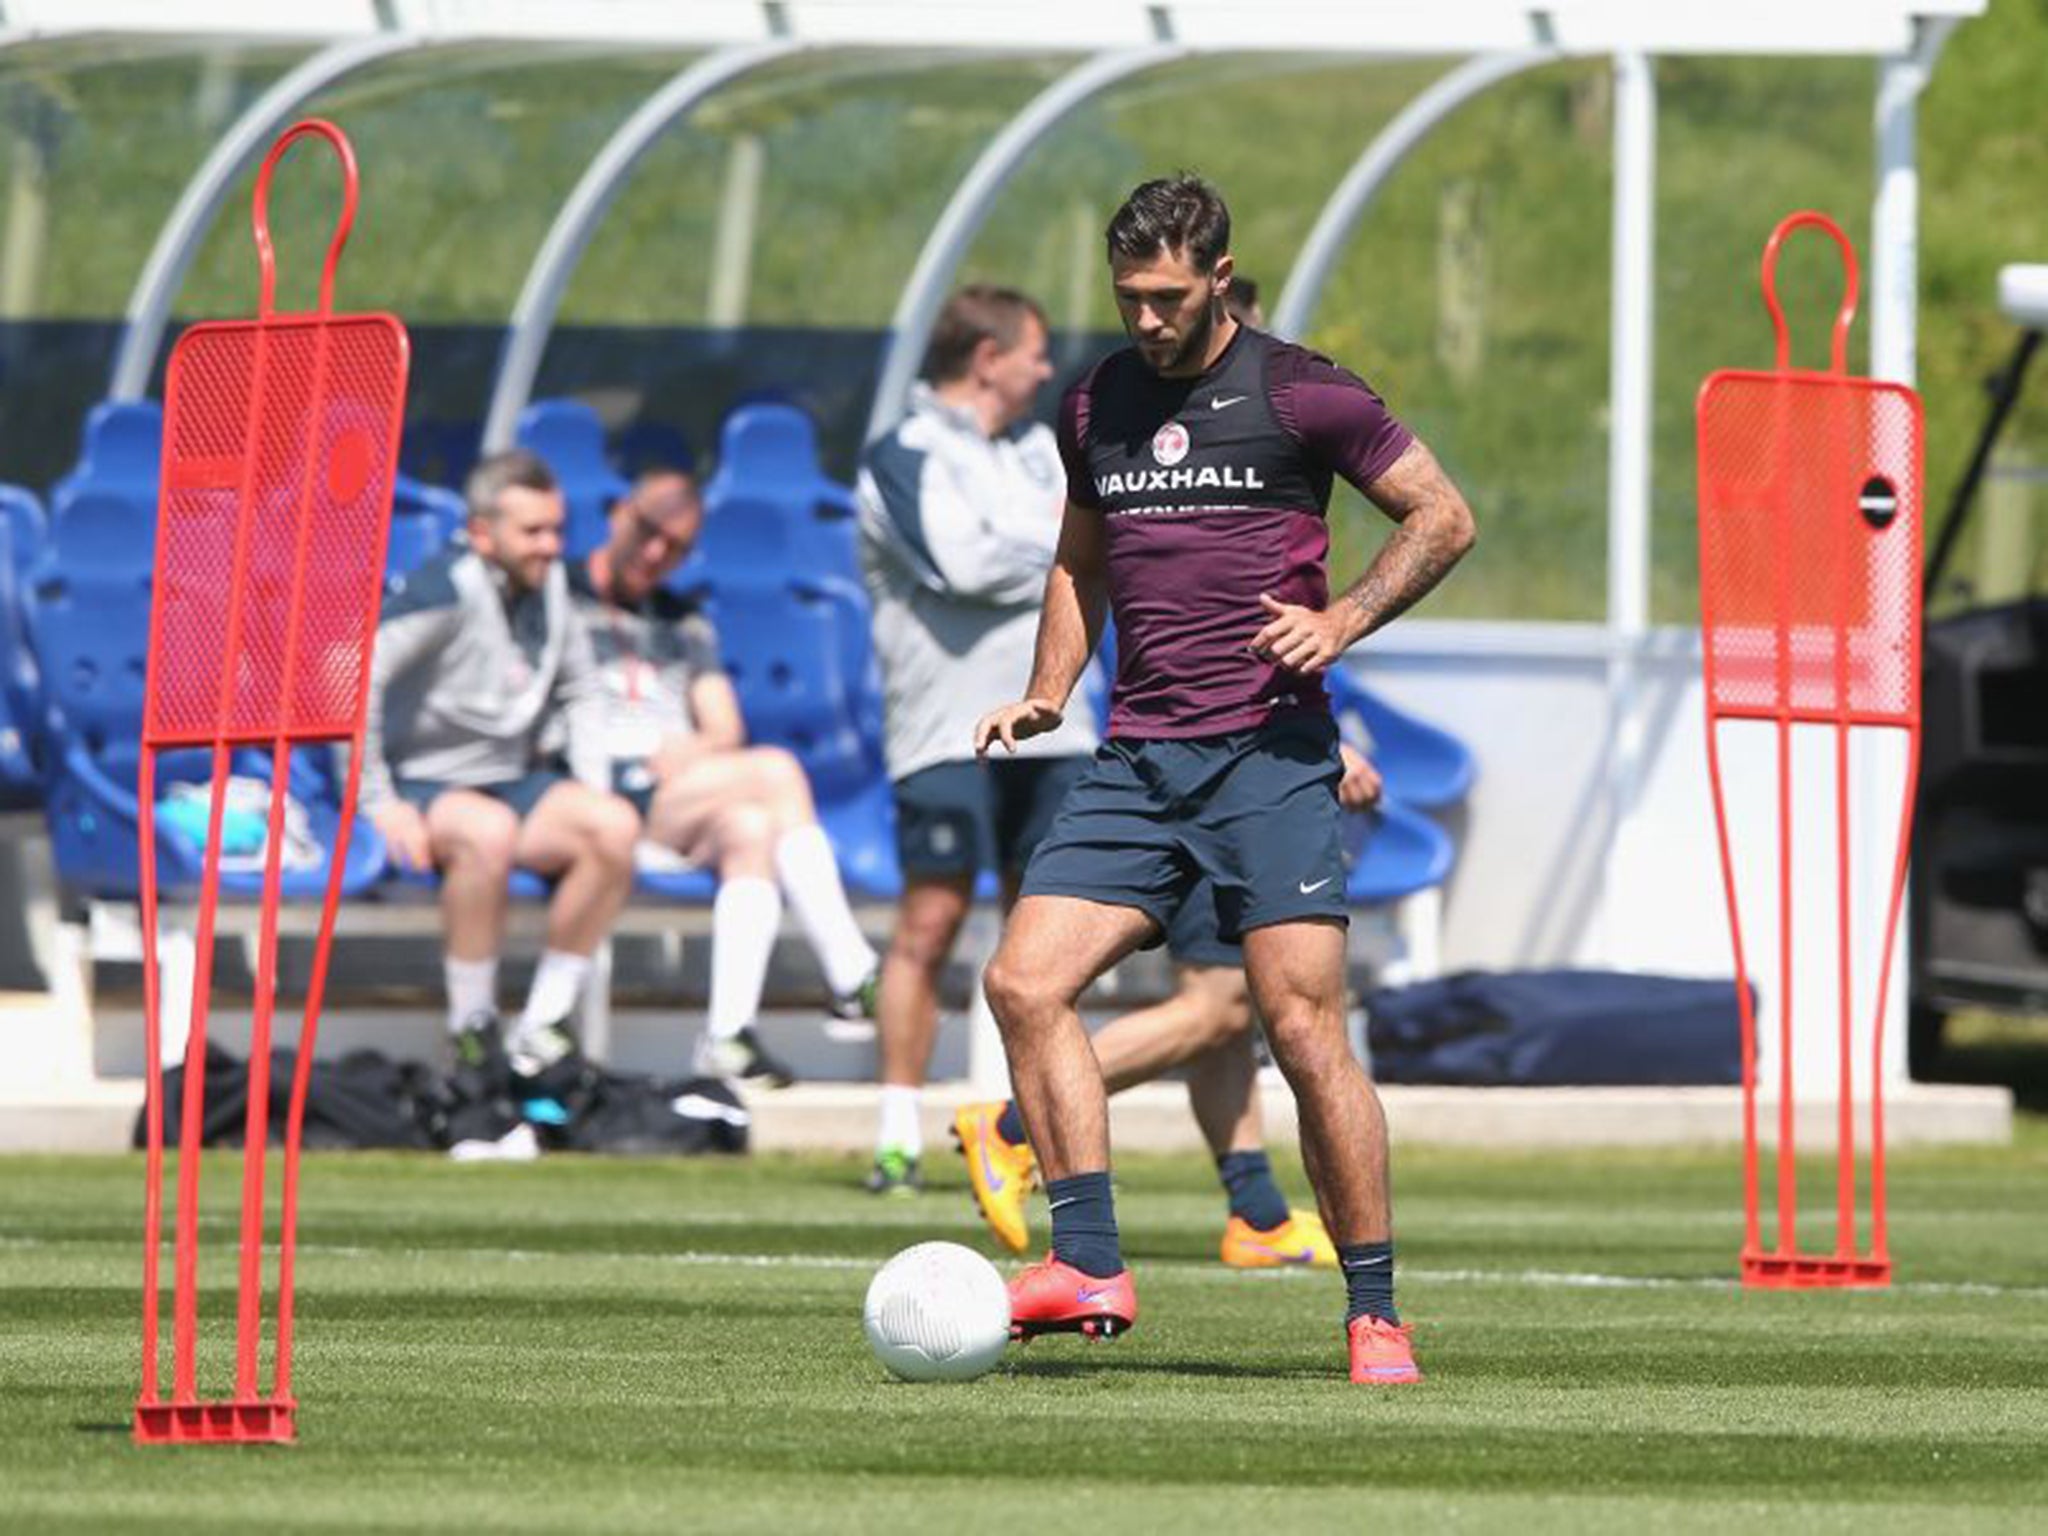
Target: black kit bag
{"points": [[1529, 1028], [364, 1100], [629, 1115]]}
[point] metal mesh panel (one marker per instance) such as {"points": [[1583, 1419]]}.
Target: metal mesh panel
{"points": [[1811, 604], [280, 447]]}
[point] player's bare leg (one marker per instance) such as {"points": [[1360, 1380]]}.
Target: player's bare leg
{"points": [[699, 791], [1223, 1091], [1054, 947], [472, 837], [928, 920], [585, 837], [749, 815], [1263, 1231], [1297, 977], [1210, 1009]]}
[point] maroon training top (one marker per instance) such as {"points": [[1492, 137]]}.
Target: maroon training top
{"points": [[1213, 490]]}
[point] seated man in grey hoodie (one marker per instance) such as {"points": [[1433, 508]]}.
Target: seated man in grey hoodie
{"points": [[484, 749]]}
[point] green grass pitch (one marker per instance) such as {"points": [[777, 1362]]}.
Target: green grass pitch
{"points": [[585, 1345]]}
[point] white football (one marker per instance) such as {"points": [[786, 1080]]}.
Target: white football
{"points": [[937, 1312]]}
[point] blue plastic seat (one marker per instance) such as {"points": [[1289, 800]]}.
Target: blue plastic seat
{"points": [[423, 519], [120, 453], [862, 827], [801, 659], [1394, 851], [642, 445], [770, 510], [28, 528], [1422, 765], [88, 610], [524, 884], [21, 732], [569, 435], [697, 887], [89, 605]]}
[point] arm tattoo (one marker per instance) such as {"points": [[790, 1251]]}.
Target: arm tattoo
{"points": [[1433, 529]]}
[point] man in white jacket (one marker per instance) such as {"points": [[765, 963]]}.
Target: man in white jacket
{"points": [[960, 508]]}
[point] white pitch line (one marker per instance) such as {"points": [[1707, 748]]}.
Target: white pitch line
{"points": [[1554, 1279], [1209, 1270]]}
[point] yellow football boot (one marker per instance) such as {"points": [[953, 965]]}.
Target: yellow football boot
{"points": [[1001, 1174], [1299, 1240]]}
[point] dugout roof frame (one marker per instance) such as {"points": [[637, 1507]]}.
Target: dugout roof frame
{"points": [[1115, 39]]}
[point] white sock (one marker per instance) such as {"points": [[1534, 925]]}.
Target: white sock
{"points": [[472, 988], [900, 1127], [744, 920], [810, 879], [557, 984]]}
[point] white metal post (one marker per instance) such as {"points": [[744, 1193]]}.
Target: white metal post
{"points": [[1631, 339]]}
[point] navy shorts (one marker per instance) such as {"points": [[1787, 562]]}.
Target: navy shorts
{"points": [[1252, 813], [634, 783], [961, 818], [1194, 936], [521, 794]]}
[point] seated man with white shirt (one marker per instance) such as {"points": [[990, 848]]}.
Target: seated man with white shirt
{"points": [[678, 749]]}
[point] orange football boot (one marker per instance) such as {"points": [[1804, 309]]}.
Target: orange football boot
{"points": [[1381, 1355], [1051, 1297]]}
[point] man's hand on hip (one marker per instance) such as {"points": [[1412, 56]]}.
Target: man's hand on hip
{"points": [[1303, 639]]}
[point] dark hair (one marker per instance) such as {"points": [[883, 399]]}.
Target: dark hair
{"points": [[974, 314], [1241, 297], [498, 473], [1175, 213], [662, 471]]}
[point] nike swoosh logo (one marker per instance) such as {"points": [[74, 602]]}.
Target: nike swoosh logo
{"points": [[1089, 1298], [1303, 1256], [1224, 402], [1310, 890], [989, 1175]]}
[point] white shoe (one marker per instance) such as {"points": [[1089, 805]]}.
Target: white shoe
{"points": [[518, 1145]]}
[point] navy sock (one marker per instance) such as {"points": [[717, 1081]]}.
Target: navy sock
{"points": [[1248, 1177], [1369, 1277], [1084, 1224], [1010, 1125]]}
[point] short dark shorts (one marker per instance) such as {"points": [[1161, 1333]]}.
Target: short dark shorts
{"points": [[1194, 935], [633, 783], [521, 794], [1251, 814], [961, 818]]}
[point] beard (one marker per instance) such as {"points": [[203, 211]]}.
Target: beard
{"points": [[1190, 349]]}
